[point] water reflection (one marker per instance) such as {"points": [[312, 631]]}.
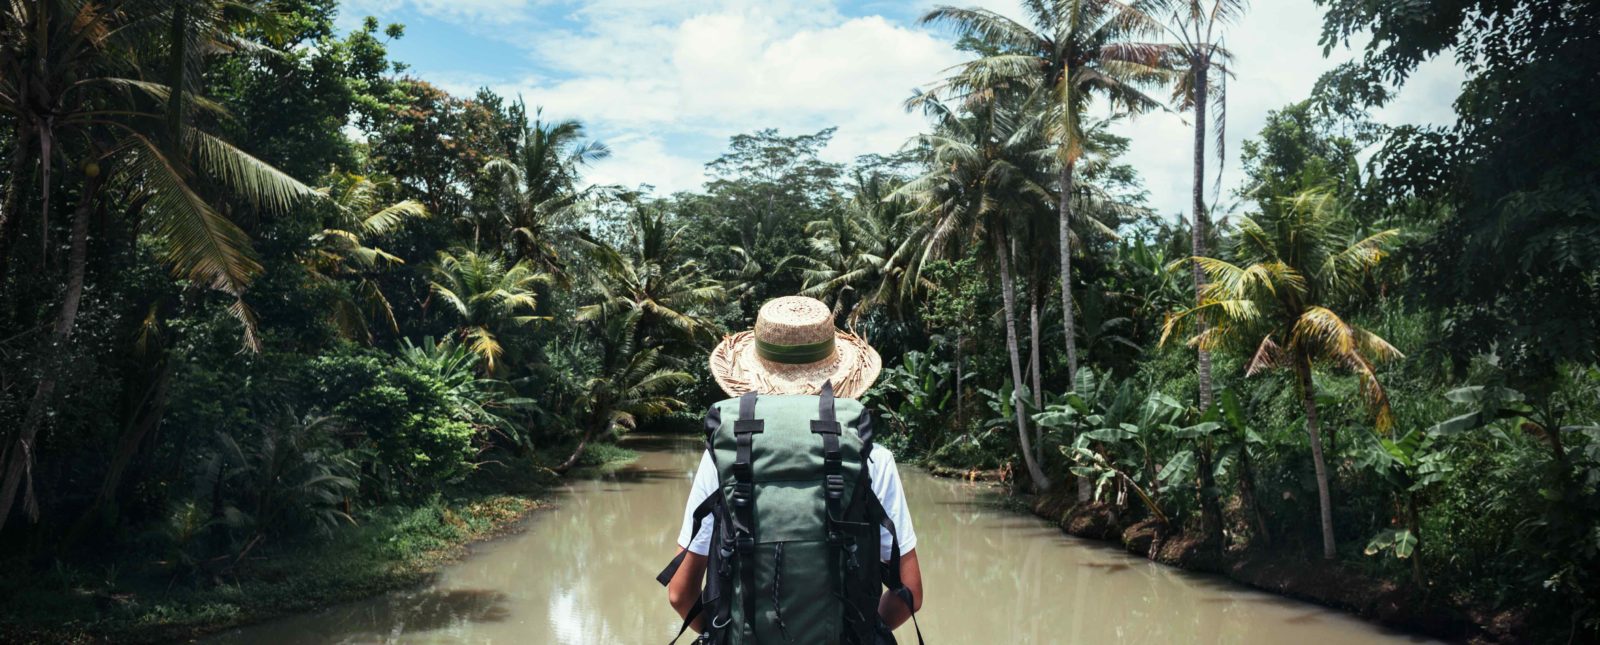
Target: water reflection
{"points": [[583, 574]]}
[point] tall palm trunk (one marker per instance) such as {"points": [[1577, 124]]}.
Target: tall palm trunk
{"points": [[1035, 372], [1308, 398], [19, 457], [11, 203], [1035, 339], [1065, 239], [1198, 231], [1210, 509], [1068, 315], [1008, 298], [961, 388]]}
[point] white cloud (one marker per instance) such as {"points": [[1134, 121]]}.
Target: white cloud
{"points": [[637, 160], [713, 74]]}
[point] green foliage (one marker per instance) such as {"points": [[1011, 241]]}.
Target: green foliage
{"points": [[1509, 184], [916, 399], [406, 414]]}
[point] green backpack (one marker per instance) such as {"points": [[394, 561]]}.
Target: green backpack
{"points": [[794, 543]]}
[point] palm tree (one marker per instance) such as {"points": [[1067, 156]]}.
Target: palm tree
{"points": [[652, 277], [1196, 26], [535, 191], [341, 251], [861, 252], [1292, 266], [984, 174], [631, 384], [488, 298], [1075, 50], [67, 74], [1095, 212], [472, 398]]}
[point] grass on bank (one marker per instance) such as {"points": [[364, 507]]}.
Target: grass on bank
{"points": [[131, 597]]}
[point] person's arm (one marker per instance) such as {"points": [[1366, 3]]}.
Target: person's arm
{"points": [[684, 589], [890, 608]]}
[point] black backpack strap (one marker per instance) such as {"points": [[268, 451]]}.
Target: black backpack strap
{"points": [[688, 619], [700, 513], [891, 569], [744, 501], [827, 425]]}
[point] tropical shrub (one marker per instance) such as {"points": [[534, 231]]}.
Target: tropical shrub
{"points": [[404, 415]]}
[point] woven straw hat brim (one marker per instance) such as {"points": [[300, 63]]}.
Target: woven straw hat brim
{"points": [[852, 369]]}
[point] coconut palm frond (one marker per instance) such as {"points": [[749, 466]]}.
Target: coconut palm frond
{"points": [[201, 244], [983, 25], [253, 179], [387, 219], [1268, 355]]}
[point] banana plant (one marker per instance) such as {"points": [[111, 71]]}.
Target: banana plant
{"points": [[917, 394], [1410, 463]]}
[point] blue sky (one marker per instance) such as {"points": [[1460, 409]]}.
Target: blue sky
{"points": [[665, 83]]}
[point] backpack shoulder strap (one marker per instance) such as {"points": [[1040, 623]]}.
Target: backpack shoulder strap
{"points": [[744, 501], [827, 425], [891, 569]]}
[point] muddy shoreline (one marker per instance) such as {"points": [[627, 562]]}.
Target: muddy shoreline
{"points": [[1393, 604]]}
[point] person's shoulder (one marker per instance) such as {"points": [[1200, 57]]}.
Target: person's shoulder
{"points": [[881, 456]]}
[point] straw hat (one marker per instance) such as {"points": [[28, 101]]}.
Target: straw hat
{"points": [[794, 349]]}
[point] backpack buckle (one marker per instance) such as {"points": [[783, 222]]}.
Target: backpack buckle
{"points": [[835, 486], [746, 544]]}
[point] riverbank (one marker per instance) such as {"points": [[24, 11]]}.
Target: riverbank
{"points": [[141, 597], [1331, 584]]}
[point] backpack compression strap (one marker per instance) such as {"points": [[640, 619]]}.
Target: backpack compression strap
{"points": [[744, 502]]}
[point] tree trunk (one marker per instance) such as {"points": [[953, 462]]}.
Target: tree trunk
{"points": [[145, 417], [1035, 376], [1067, 313], [571, 461], [1210, 508], [1414, 524], [11, 204], [1008, 298], [1035, 340], [19, 458], [1197, 233], [961, 399], [1247, 498], [1308, 398]]}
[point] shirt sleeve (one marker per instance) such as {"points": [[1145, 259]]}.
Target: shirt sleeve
{"points": [[705, 483], [886, 486]]}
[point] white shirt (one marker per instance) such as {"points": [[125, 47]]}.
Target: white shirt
{"points": [[885, 485]]}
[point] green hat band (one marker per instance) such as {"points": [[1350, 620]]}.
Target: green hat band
{"points": [[795, 354]]}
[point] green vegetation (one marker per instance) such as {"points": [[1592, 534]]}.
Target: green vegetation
{"points": [[283, 324], [393, 547]]}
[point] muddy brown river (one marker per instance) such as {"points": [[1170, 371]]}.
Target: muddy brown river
{"points": [[583, 573]]}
